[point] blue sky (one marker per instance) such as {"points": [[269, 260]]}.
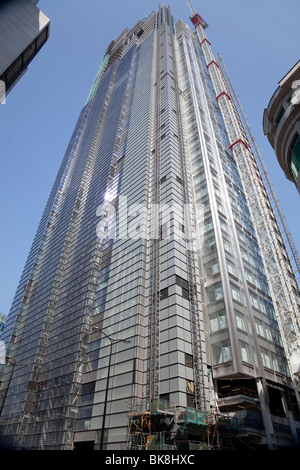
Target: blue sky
{"points": [[259, 43]]}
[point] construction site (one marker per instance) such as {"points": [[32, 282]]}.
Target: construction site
{"points": [[162, 426]]}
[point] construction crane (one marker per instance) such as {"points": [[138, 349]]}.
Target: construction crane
{"points": [[278, 267], [193, 11], [293, 250], [196, 19]]}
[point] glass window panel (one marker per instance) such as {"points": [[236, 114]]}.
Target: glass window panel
{"points": [[240, 321], [214, 293], [295, 157], [244, 352], [266, 359], [218, 321], [235, 294], [222, 352]]}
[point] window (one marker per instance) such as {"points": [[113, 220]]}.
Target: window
{"points": [[190, 387], [165, 397], [211, 267], [218, 321], [221, 352], [231, 268], [235, 294], [88, 388], [240, 322], [244, 256], [208, 224], [259, 328], [254, 302], [227, 245], [266, 359], [262, 307], [276, 364], [295, 157], [226, 353], [190, 401], [164, 293], [214, 293], [244, 352], [209, 245], [184, 285], [268, 333], [188, 360], [219, 293]]}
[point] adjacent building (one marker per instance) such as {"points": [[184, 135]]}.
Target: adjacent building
{"points": [[24, 29], [155, 294], [2, 323], [281, 124]]}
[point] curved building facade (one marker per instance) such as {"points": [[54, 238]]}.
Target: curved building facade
{"points": [[281, 124]]}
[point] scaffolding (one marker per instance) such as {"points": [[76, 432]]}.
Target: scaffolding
{"points": [[161, 426], [149, 425], [139, 428]]}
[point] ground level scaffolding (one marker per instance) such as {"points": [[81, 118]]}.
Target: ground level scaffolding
{"points": [[159, 426]]}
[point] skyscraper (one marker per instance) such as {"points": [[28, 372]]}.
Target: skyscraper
{"points": [[148, 295]]}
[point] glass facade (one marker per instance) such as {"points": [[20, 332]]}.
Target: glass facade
{"points": [[2, 324], [147, 240], [295, 157]]}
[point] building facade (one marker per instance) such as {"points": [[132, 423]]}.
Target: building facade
{"points": [[24, 29], [282, 124], [147, 297], [2, 323]]}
